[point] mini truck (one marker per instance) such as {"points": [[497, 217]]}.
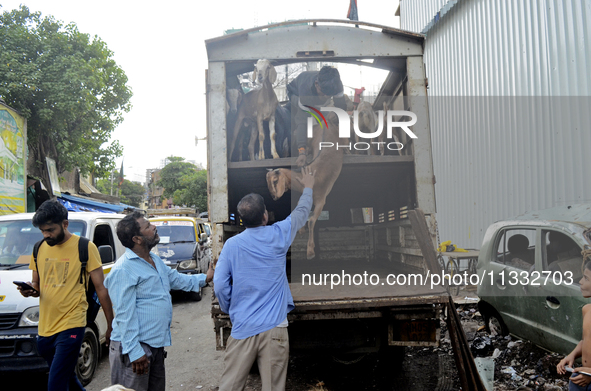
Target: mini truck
{"points": [[368, 229]]}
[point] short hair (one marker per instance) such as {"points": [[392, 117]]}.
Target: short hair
{"points": [[329, 81], [251, 209], [50, 212], [128, 227]]}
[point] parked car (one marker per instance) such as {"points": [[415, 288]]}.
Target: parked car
{"points": [[183, 245], [19, 316], [532, 265]]}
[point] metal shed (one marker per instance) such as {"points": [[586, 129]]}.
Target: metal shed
{"points": [[509, 97]]}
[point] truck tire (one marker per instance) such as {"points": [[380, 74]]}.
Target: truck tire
{"points": [[88, 357]]}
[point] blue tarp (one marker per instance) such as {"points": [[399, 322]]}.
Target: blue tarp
{"points": [[79, 204]]}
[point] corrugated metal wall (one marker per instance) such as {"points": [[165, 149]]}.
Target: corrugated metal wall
{"points": [[526, 149]]}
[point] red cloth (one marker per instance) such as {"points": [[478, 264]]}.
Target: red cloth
{"points": [[358, 92]]}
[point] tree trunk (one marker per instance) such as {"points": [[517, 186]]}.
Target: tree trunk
{"points": [[37, 164]]}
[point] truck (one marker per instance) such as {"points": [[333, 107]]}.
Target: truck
{"points": [[19, 316], [380, 303]]}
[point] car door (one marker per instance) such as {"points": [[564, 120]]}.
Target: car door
{"points": [[508, 290], [558, 299]]}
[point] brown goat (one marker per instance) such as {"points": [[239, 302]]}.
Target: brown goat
{"points": [[327, 162]]}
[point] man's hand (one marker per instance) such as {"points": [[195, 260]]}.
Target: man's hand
{"points": [[141, 365], [307, 177], [210, 271], [108, 335], [29, 292]]}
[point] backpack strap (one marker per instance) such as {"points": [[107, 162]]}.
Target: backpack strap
{"points": [[83, 253], [36, 252]]}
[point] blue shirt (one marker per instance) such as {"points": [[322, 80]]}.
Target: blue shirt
{"points": [[250, 280], [142, 303]]}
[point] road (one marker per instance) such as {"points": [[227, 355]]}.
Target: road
{"points": [[194, 364], [192, 359]]}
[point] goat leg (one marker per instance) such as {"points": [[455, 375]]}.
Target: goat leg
{"points": [[273, 137], [261, 137]]}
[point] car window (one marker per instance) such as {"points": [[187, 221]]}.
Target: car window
{"points": [[20, 236], [562, 254], [516, 248], [175, 231]]}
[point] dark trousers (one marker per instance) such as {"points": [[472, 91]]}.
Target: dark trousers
{"points": [[61, 353]]}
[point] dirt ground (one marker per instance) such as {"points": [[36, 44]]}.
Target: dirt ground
{"points": [[194, 364]]}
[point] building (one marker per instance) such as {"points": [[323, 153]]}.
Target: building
{"points": [[509, 97]]}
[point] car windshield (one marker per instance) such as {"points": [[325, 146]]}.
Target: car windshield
{"points": [[175, 231], [18, 237]]}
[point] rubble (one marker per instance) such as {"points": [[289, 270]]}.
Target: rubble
{"points": [[519, 364]]}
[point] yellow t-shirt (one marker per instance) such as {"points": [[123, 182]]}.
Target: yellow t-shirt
{"points": [[62, 300]]}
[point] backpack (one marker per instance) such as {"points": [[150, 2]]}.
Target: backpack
{"points": [[91, 296]]}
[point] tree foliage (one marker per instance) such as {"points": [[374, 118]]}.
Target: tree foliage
{"points": [[132, 193], [185, 183], [194, 191], [68, 87], [172, 174]]}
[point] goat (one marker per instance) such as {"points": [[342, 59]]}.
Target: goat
{"points": [[257, 105], [233, 95], [327, 163]]}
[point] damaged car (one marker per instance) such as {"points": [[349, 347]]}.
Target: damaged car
{"points": [[530, 268]]}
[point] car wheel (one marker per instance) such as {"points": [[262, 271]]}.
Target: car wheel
{"points": [[88, 357], [195, 296], [493, 322]]}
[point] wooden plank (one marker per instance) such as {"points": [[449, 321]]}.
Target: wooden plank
{"points": [[469, 377], [419, 226]]}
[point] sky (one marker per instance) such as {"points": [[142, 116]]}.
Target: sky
{"points": [[160, 46]]}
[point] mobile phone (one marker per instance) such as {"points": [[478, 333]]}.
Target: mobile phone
{"points": [[569, 369], [25, 286]]}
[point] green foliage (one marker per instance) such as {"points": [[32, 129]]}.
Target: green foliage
{"points": [[172, 174], [132, 193], [68, 87], [193, 191], [185, 183]]}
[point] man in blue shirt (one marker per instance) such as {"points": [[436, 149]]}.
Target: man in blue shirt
{"points": [[139, 285], [251, 285]]}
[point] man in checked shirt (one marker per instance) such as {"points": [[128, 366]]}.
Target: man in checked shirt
{"points": [[139, 285]]}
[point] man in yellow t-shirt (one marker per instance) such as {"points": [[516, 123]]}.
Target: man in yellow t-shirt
{"points": [[62, 297]]}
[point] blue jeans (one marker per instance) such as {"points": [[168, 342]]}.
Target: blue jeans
{"points": [[61, 353], [573, 387]]}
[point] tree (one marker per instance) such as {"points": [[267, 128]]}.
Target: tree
{"points": [[132, 193], [193, 191], [172, 174], [69, 89]]}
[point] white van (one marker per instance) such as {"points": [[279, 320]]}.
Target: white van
{"points": [[19, 316]]}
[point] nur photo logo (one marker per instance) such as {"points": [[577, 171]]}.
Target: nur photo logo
{"points": [[345, 128]]}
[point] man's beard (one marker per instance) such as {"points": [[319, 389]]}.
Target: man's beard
{"points": [[150, 243], [60, 237]]}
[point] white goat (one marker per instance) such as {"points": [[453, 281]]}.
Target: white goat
{"points": [[257, 105]]}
